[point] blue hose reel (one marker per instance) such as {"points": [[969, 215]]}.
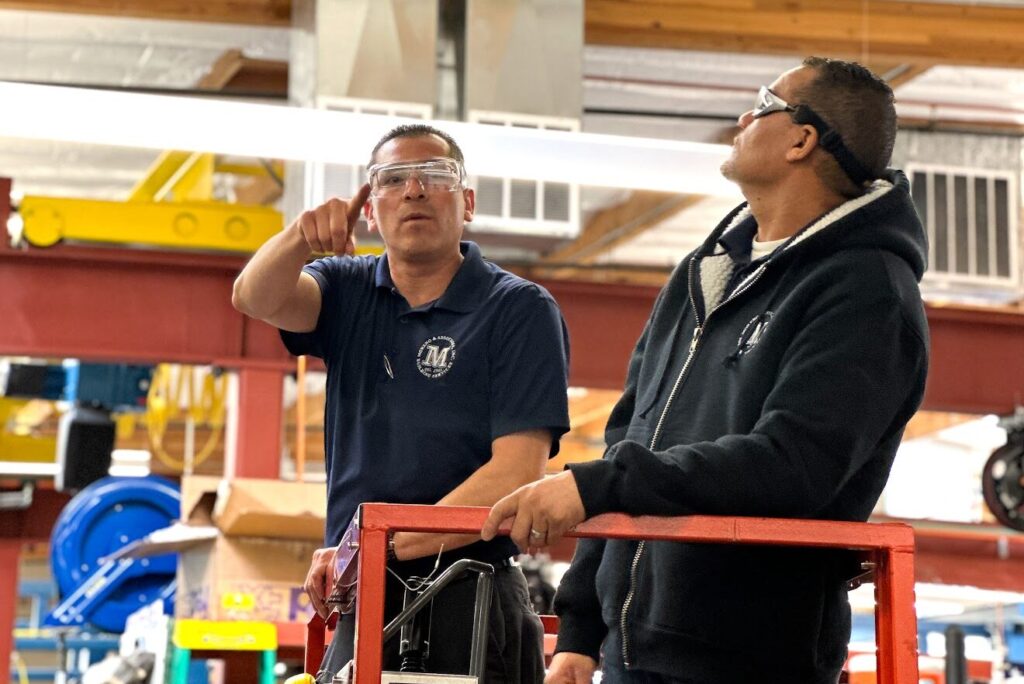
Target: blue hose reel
{"points": [[104, 517]]}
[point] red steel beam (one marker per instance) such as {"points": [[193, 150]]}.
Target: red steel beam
{"points": [[984, 556], [10, 552], [32, 524], [977, 353], [956, 568], [105, 304], [141, 305], [977, 359], [112, 304], [604, 324]]}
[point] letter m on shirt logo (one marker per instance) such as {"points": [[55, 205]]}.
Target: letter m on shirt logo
{"points": [[436, 356]]}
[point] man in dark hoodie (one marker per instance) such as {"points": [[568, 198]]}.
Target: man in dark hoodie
{"points": [[774, 378]]}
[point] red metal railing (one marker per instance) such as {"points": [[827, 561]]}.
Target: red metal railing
{"points": [[889, 546]]}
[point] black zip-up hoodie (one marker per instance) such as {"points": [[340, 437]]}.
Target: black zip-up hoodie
{"points": [[787, 398]]}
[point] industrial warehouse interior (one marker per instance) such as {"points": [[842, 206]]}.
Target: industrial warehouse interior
{"points": [[166, 460]]}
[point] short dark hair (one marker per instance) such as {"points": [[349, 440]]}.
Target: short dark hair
{"points": [[416, 131], [861, 108]]}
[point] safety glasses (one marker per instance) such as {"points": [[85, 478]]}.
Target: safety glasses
{"points": [[769, 103], [433, 175]]}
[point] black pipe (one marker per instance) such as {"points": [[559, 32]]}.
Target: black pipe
{"points": [[481, 623], [956, 660]]}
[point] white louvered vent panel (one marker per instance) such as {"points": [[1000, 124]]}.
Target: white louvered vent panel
{"points": [[972, 222], [518, 206]]}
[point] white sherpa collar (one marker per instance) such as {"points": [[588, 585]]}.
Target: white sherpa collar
{"points": [[875, 191]]}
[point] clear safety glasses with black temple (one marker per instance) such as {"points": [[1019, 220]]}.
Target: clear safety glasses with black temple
{"points": [[440, 174], [769, 103]]}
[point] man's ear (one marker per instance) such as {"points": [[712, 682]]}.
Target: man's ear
{"points": [[368, 213], [469, 197], [803, 145]]}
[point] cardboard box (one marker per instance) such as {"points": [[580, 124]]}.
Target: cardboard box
{"points": [[244, 578], [244, 549], [256, 508]]}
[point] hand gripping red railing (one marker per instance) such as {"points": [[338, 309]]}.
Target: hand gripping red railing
{"points": [[889, 547]]}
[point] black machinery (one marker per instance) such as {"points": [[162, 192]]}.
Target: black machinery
{"points": [[1002, 479]]}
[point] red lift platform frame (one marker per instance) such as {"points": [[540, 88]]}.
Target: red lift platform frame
{"points": [[889, 546]]}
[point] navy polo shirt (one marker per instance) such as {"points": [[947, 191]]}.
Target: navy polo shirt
{"points": [[416, 396]]}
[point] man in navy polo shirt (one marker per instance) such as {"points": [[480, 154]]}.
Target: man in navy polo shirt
{"points": [[446, 383]]}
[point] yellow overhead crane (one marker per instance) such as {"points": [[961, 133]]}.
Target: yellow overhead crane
{"points": [[172, 206]]}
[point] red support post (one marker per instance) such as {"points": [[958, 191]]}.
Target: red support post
{"points": [[260, 420], [18, 527], [895, 620], [370, 606], [10, 554], [316, 639], [5, 203]]}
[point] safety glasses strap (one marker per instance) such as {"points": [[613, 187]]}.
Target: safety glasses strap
{"points": [[833, 143]]}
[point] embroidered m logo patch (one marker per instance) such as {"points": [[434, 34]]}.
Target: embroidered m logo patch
{"points": [[436, 356]]}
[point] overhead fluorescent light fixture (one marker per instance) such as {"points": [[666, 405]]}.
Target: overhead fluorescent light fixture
{"points": [[160, 122]]}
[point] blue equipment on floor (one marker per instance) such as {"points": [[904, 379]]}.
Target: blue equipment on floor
{"points": [[102, 518]]}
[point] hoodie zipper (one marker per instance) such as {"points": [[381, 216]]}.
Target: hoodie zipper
{"points": [[694, 341]]}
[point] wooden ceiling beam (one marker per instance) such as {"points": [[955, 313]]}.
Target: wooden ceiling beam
{"points": [[233, 72], [614, 226], [254, 12], [223, 70], [604, 275], [866, 30], [641, 210]]}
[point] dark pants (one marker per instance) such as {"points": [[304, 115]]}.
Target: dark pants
{"points": [[515, 640], [617, 675], [614, 672]]}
